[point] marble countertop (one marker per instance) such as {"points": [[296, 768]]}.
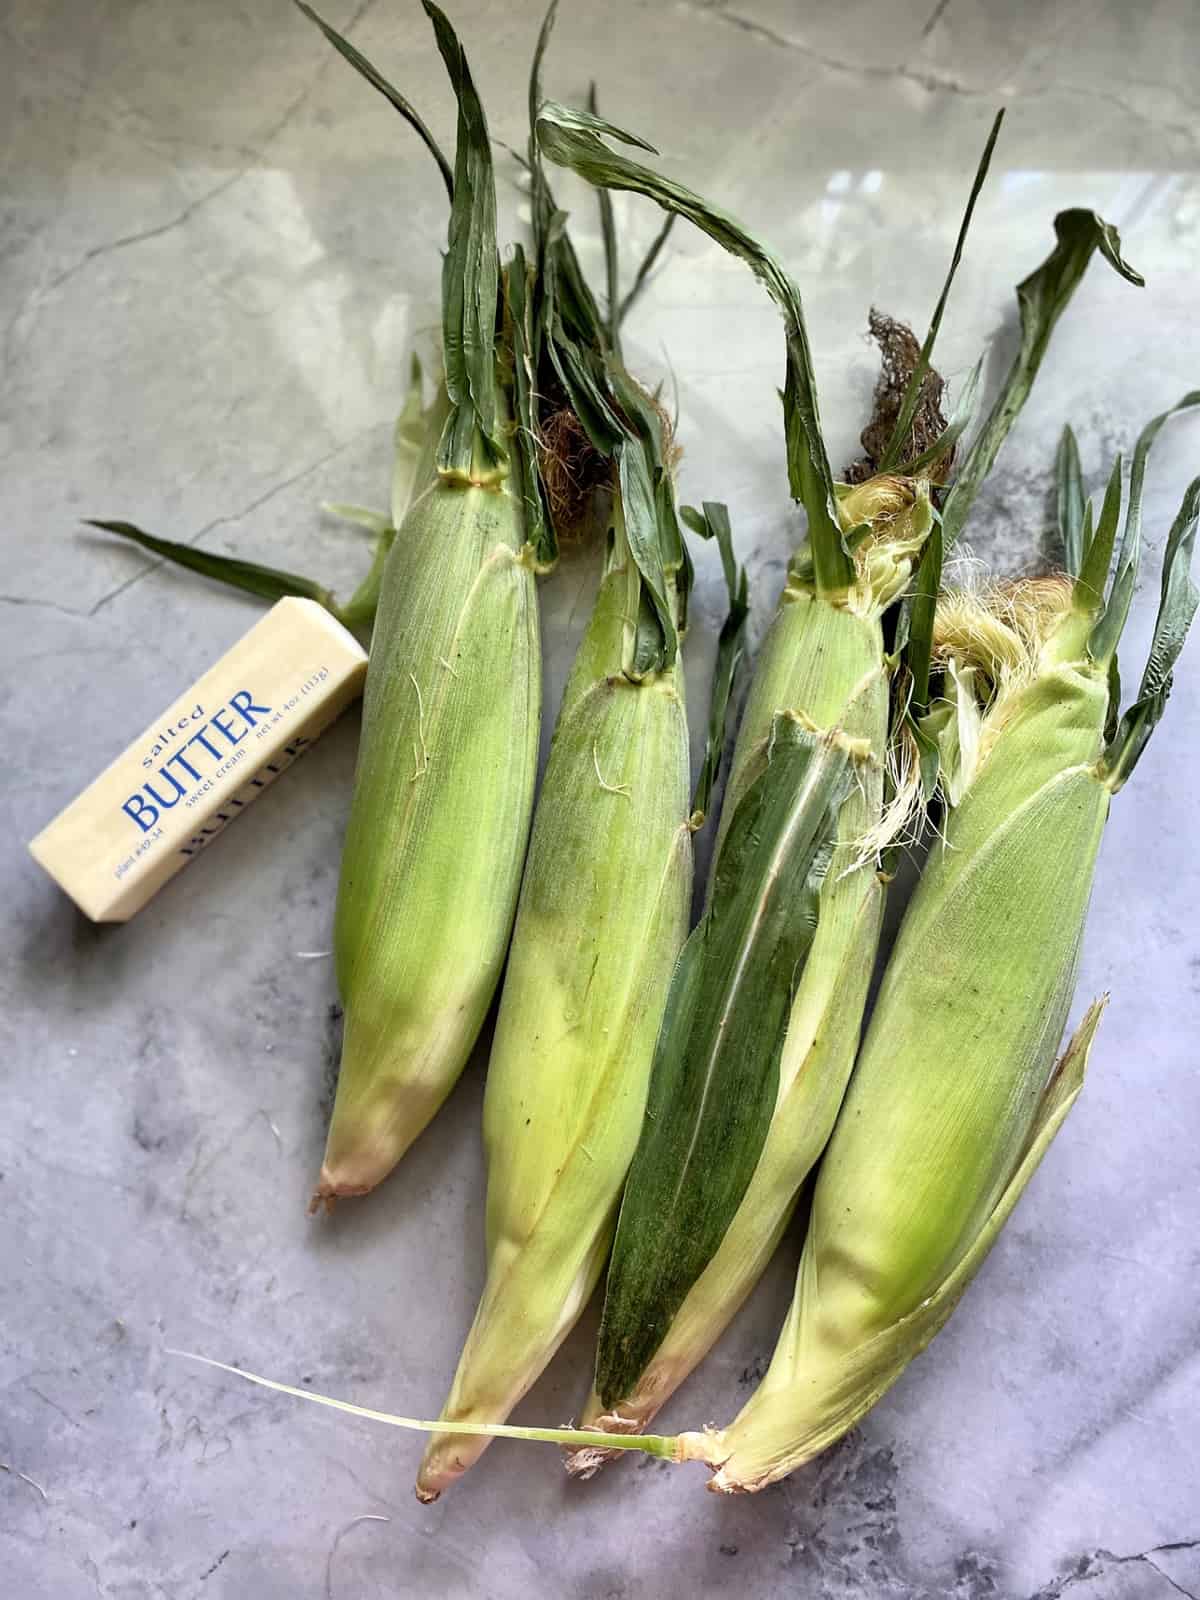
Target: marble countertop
{"points": [[216, 252]]}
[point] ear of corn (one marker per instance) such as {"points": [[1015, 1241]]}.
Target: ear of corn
{"points": [[444, 787], [853, 1381], [437, 827], [953, 1100]]}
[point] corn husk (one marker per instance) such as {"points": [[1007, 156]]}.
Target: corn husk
{"points": [[436, 837]]}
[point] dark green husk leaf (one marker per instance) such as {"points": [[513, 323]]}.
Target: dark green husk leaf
{"points": [[716, 1069], [471, 441], [270, 583], [377, 81], [1107, 632], [641, 276], [920, 611], [621, 425], [572, 334], [1177, 607], [562, 292], [712, 522], [541, 201], [538, 523], [1071, 501], [912, 397], [574, 139], [960, 421], [1042, 298], [612, 268], [1095, 546], [651, 525]]}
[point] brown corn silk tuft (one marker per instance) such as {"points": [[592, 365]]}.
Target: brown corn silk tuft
{"points": [[899, 352], [573, 470]]}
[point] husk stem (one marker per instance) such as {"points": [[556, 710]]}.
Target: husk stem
{"points": [[674, 1448]]}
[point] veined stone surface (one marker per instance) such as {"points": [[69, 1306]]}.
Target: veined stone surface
{"points": [[217, 251]]}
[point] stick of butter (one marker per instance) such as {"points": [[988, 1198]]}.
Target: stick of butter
{"points": [[205, 759]]}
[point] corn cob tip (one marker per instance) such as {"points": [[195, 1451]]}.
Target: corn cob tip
{"points": [[725, 1479], [330, 1189], [447, 1457]]}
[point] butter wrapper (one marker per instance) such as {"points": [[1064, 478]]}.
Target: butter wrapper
{"points": [[212, 752]]}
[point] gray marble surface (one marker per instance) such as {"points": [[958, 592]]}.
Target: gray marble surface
{"points": [[216, 252]]}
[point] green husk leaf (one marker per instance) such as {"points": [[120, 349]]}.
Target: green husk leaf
{"points": [[612, 262], [1177, 607], [642, 275], [411, 438], [929, 757], [1042, 298], [921, 609], [541, 201], [651, 528], [953, 725], [1107, 632], [1096, 547], [964, 415], [912, 395], [716, 1068], [573, 120], [359, 611], [538, 523], [563, 296], [377, 81], [575, 139], [471, 446], [269, 583], [712, 522], [1113, 717], [362, 516], [1071, 501]]}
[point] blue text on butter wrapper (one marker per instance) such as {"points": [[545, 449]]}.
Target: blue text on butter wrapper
{"points": [[231, 723]]}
